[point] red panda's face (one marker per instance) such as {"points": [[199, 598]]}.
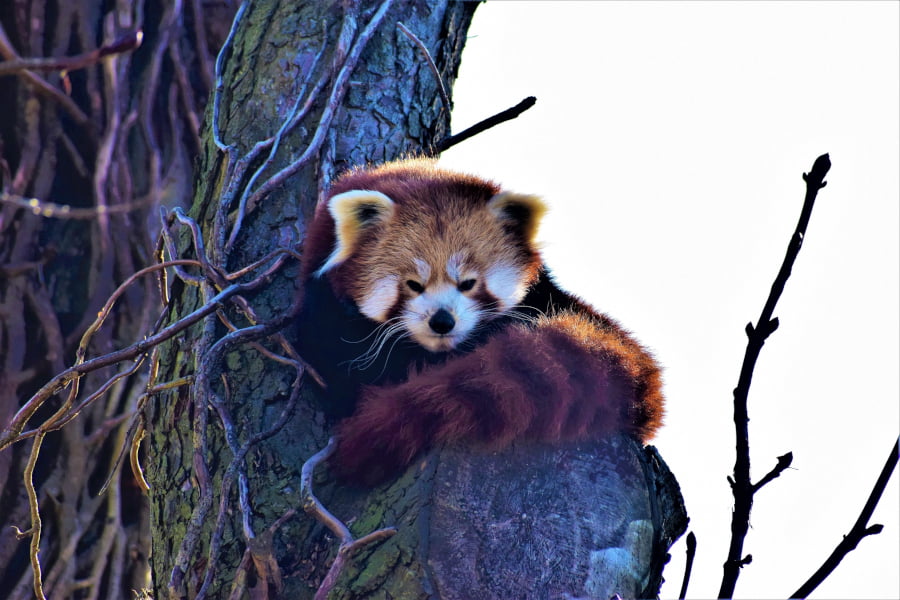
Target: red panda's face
{"points": [[441, 302], [433, 270]]}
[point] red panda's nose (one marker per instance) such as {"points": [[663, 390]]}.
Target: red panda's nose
{"points": [[442, 322]]}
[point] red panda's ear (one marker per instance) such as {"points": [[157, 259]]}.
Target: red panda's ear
{"points": [[522, 213], [353, 212]]}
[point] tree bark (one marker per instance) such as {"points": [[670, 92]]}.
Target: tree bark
{"points": [[390, 107]]}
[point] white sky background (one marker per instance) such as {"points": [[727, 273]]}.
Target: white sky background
{"points": [[669, 140]]}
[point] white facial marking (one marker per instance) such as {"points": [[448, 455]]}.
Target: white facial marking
{"points": [[454, 267], [421, 308], [504, 282], [423, 270], [380, 298]]}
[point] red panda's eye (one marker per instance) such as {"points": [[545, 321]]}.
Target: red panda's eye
{"points": [[465, 286], [415, 286]]}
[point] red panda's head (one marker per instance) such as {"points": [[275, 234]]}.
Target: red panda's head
{"points": [[432, 251]]}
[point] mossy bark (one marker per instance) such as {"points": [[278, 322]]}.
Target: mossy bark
{"points": [[391, 108]]}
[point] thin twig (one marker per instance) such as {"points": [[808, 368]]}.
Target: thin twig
{"points": [[297, 113], [65, 211], [741, 487], [784, 461], [220, 79], [67, 413], [236, 467], [199, 247], [126, 43], [338, 90], [688, 564], [42, 87], [311, 503], [167, 244], [314, 507], [506, 115], [200, 451], [344, 552], [13, 431], [61, 380], [134, 459], [859, 530], [448, 106], [35, 511]]}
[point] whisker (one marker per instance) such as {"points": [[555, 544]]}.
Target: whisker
{"points": [[384, 333], [387, 358], [373, 332]]}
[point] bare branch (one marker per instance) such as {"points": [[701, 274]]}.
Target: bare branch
{"points": [[859, 530], [44, 88], [294, 117], [220, 80], [35, 530], [60, 381], [742, 489], [506, 115], [314, 507], [448, 106], [311, 504], [64, 211], [337, 94], [784, 461], [236, 467], [688, 564], [126, 43]]}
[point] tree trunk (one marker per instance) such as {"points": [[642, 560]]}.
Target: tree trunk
{"points": [[511, 545], [387, 106]]}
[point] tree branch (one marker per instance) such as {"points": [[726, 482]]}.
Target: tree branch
{"points": [[314, 507], [448, 106], [42, 87], [741, 486], [688, 564], [500, 117], [126, 43], [859, 530], [784, 461]]}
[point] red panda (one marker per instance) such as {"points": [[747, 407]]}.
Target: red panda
{"points": [[432, 319]]}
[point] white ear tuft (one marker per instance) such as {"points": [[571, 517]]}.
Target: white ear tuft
{"points": [[353, 212], [520, 212]]}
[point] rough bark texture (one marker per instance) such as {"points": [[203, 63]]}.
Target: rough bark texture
{"points": [[578, 521], [391, 107]]}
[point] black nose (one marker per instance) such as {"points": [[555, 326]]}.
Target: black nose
{"points": [[441, 322]]}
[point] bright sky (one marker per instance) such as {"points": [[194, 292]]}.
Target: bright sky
{"points": [[669, 139]]}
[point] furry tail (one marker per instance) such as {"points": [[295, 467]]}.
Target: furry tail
{"points": [[568, 377]]}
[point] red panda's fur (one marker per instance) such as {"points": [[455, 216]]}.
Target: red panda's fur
{"points": [[548, 368]]}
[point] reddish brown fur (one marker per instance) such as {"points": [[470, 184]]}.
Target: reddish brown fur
{"points": [[573, 374], [566, 379], [428, 199]]}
